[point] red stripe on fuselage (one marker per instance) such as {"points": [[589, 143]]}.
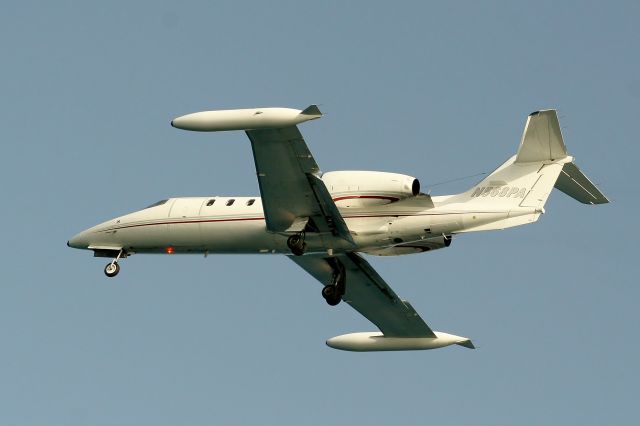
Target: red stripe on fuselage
{"points": [[239, 219], [185, 221]]}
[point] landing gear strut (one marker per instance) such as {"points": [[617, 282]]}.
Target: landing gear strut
{"points": [[333, 292], [296, 244], [112, 268]]}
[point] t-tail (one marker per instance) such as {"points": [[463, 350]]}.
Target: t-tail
{"points": [[520, 187]]}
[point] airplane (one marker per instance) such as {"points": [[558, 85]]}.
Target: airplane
{"points": [[324, 221]]}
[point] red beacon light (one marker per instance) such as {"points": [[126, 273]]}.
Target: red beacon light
{"points": [[169, 250]]}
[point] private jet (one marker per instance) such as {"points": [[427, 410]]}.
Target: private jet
{"points": [[324, 222]]}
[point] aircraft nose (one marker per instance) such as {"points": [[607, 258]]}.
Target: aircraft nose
{"points": [[79, 241]]}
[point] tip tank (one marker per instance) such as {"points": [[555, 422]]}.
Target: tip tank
{"points": [[373, 341], [245, 119]]}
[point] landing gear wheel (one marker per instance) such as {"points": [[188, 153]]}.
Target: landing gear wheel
{"points": [[299, 251], [296, 244], [112, 269], [331, 294], [294, 240]]}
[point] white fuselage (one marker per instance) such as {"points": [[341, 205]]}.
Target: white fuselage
{"points": [[218, 225]]}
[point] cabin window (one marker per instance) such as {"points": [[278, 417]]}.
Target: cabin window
{"points": [[251, 201], [230, 202], [210, 202]]}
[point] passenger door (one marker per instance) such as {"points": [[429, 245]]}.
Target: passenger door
{"points": [[184, 222]]}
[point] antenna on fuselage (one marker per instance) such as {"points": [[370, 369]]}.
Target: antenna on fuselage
{"points": [[430, 187]]}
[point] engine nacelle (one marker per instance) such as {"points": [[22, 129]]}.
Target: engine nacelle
{"points": [[364, 188]]}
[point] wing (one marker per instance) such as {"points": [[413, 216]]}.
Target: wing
{"points": [[294, 198], [292, 192], [369, 294]]}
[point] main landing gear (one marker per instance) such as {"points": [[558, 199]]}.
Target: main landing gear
{"points": [[333, 292], [296, 244], [112, 268]]}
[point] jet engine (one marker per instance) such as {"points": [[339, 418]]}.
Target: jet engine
{"points": [[368, 188]]}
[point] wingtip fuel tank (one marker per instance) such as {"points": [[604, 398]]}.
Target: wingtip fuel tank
{"points": [[375, 341], [245, 119]]}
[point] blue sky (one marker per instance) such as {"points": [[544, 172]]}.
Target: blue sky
{"points": [[431, 89]]}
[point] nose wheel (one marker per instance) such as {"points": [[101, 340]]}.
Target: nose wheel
{"points": [[112, 268], [296, 244]]}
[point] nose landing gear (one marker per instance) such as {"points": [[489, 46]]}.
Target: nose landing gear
{"points": [[333, 292], [112, 268]]}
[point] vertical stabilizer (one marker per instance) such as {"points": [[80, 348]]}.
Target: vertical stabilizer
{"points": [[542, 138], [527, 178]]}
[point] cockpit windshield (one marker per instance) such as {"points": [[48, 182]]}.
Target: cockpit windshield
{"points": [[159, 203]]}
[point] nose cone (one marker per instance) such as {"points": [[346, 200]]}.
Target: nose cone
{"points": [[79, 241]]}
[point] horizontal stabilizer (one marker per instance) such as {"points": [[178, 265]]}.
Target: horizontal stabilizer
{"points": [[576, 185]]}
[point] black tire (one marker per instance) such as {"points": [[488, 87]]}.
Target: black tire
{"points": [[112, 269], [294, 242], [331, 295], [299, 251], [328, 291], [334, 301]]}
